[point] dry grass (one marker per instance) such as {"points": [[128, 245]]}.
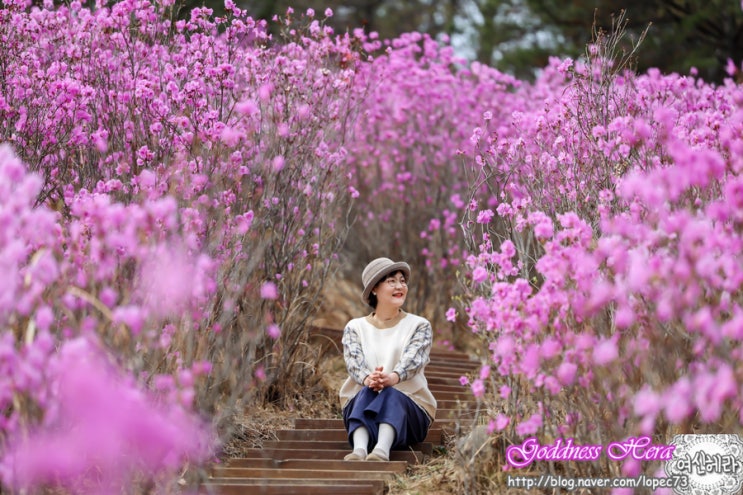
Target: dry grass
{"points": [[256, 425], [341, 303]]}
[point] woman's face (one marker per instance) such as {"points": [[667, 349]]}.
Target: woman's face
{"points": [[392, 290]]}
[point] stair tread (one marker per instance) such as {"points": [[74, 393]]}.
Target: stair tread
{"points": [[308, 459]]}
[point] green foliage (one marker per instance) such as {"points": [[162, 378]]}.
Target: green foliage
{"points": [[693, 33]]}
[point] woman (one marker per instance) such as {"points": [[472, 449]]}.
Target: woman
{"points": [[386, 401]]}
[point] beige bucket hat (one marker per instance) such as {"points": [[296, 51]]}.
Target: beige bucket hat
{"points": [[379, 269]]}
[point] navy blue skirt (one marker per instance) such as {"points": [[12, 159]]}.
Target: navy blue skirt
{"points": [[369, 408]]}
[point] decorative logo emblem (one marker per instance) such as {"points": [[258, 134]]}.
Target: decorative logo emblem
{"points": [[711, 464]]}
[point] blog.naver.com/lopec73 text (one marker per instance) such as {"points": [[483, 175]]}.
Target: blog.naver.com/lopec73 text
{"points": [[690, 464]]}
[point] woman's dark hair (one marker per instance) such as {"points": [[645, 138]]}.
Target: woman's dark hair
{"points": [[372, 297]]}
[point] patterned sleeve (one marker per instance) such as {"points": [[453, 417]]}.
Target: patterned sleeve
{"points": [[416, 353], [353, 354]]}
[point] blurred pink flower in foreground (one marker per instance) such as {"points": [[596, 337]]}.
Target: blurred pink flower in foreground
{"points": [[101, 432], [172, 280]]}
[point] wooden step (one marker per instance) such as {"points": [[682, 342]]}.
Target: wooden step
{"points": [[308, 444], [268, 486], [448, 355], [451, 368], [302, 474], [445, 374], [338, 434], [450, 388], [435, 380], [425, 447], [337, 424], [441, 362], [409, 456], [321, 424], [308, 459], [317, 464], [461, 395], [454, 404], [455, 414]]}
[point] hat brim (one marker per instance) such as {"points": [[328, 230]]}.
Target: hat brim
{"points": [[394, 267]]}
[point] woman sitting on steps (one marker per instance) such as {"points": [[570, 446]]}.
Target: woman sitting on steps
{"points": [[386, 401]]}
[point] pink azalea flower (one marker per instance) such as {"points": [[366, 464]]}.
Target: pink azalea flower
{"points": [[501, 422], [451, 314], [485, 216], [269, 291], [273, 331], [478, 388], [605, 352], [479, 274]]}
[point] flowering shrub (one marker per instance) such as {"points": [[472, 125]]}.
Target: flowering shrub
{"points": [[607, 280], [176, 202], [51, 396], [407, 158], [85, 402], [174, 194]]}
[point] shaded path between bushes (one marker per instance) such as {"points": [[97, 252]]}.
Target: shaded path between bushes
{"points": [[308, 459]]}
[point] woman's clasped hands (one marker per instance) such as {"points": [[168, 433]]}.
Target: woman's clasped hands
{"points": [[378, 380]]}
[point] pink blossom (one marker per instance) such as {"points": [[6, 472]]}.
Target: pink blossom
{"points": [[677, 401], [230, 136], [550, 348], [273, 331], [501, 422], [484, 372], [530, 361], [278, 163], [245, 221], [44, 317], [730, 67], [605, 352], [485, 216], [451, 314], [566, 373], [505, 391], [269, 291], [247, 107], [171, 281], [530, 426], [114, 429], [132, 316], [631, 467], [543, 227], [478, 388], [647, 402], [260, 373], [480, 274]]}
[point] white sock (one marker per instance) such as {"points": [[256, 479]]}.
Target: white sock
{"points": [[386, 437], [360, 439]]}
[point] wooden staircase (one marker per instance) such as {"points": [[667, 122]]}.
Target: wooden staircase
{"points": [[308, 459]]}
